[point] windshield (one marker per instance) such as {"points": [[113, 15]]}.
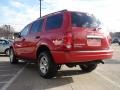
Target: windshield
{"points": [[84, 20]]}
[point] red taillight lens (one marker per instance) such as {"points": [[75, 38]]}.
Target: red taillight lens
{"points": [[68, 40], [110, 39]]}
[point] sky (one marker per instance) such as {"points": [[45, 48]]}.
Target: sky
{"points": [[18, 13]]}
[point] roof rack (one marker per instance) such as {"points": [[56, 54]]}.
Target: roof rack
{"points": [[54, 13]]}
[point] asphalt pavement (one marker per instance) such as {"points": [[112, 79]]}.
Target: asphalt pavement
{"points": [[26, 77]]}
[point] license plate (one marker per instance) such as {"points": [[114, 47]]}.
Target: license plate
{"points": [[94, 42]]}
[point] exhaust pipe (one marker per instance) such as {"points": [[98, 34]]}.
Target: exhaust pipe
{"points": [[101, 62]]}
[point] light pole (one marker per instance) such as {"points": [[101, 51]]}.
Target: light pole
{"points": [[40, 8]]}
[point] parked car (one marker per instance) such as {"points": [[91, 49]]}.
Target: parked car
{"points": [[63, 37], [4, 46], [119, 42], [116, 40]]}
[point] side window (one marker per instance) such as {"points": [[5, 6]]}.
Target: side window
{"points": [[2, 42], [24, 32], [7, 42], [37, 26], [54, 22]]}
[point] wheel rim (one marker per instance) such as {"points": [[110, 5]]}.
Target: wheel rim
{"points": [[44, 65], [11, 55]]}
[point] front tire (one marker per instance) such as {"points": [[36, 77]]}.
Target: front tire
{"points": [[12, 57], [46, 66], [7, 52], [118, 43], [88, 67]]}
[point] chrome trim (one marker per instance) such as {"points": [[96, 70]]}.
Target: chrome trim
{"points": [[92, 36], [82, 44], [94, 51], [79, 45]]}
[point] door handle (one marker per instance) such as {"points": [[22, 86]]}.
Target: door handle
{"points": [[37, 37]]}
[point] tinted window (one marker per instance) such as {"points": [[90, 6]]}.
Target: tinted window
{"points": [[2, 42], [54, 22], [6, 42], [24, 32], [84, 20], [37, 26]]}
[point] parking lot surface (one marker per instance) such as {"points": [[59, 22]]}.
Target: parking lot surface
{"points": [[26, 77]]}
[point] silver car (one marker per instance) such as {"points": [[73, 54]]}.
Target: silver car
{"points": [[4, 46]]}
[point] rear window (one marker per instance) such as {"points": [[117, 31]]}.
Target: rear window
{"points": [[84, 20], [54, 22]]}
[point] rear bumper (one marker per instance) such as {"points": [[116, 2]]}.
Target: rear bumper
{"points": [[62, 57]]}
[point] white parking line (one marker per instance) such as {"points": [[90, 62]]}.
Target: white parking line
{"points": [[108, 79], [8, 70], [3, 82], [7, 75], [12, 79], [4, 66]]}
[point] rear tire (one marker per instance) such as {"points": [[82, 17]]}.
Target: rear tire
{"points": [[88, 67], [12, 57], [46, 66]]}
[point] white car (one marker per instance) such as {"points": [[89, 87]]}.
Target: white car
{"points": [[4, 46], [116, 40]]}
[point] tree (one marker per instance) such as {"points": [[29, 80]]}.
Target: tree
{"points": [[7, 31]]}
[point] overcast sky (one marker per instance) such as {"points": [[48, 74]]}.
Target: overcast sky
{"points": [[18, 13]]}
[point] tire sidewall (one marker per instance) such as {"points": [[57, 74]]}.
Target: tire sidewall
{"points": [[13, 60], [52, 69], [7, 50], [40, 56]]}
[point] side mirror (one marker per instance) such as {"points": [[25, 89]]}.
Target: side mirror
{"points": [[18, 35]]}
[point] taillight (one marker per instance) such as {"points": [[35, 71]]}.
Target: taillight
{"points": [[109, 39], [68, 41]]}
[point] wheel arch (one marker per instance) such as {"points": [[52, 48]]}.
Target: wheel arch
{"points": [[6, 49], [52, 67], [11, 47], [42, 48]]}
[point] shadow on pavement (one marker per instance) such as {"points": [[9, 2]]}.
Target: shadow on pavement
{"points": [[31, 80], [6, 65], [61, 73], [56, 82], [69, 73]]}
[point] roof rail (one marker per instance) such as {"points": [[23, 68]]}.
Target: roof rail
{"points": [[54, 13]]}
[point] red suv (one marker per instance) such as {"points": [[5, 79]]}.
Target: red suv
{"points": [[64, 37]]}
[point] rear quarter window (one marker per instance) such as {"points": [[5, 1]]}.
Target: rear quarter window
{"points": [[54, 22], [83, 20]]}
